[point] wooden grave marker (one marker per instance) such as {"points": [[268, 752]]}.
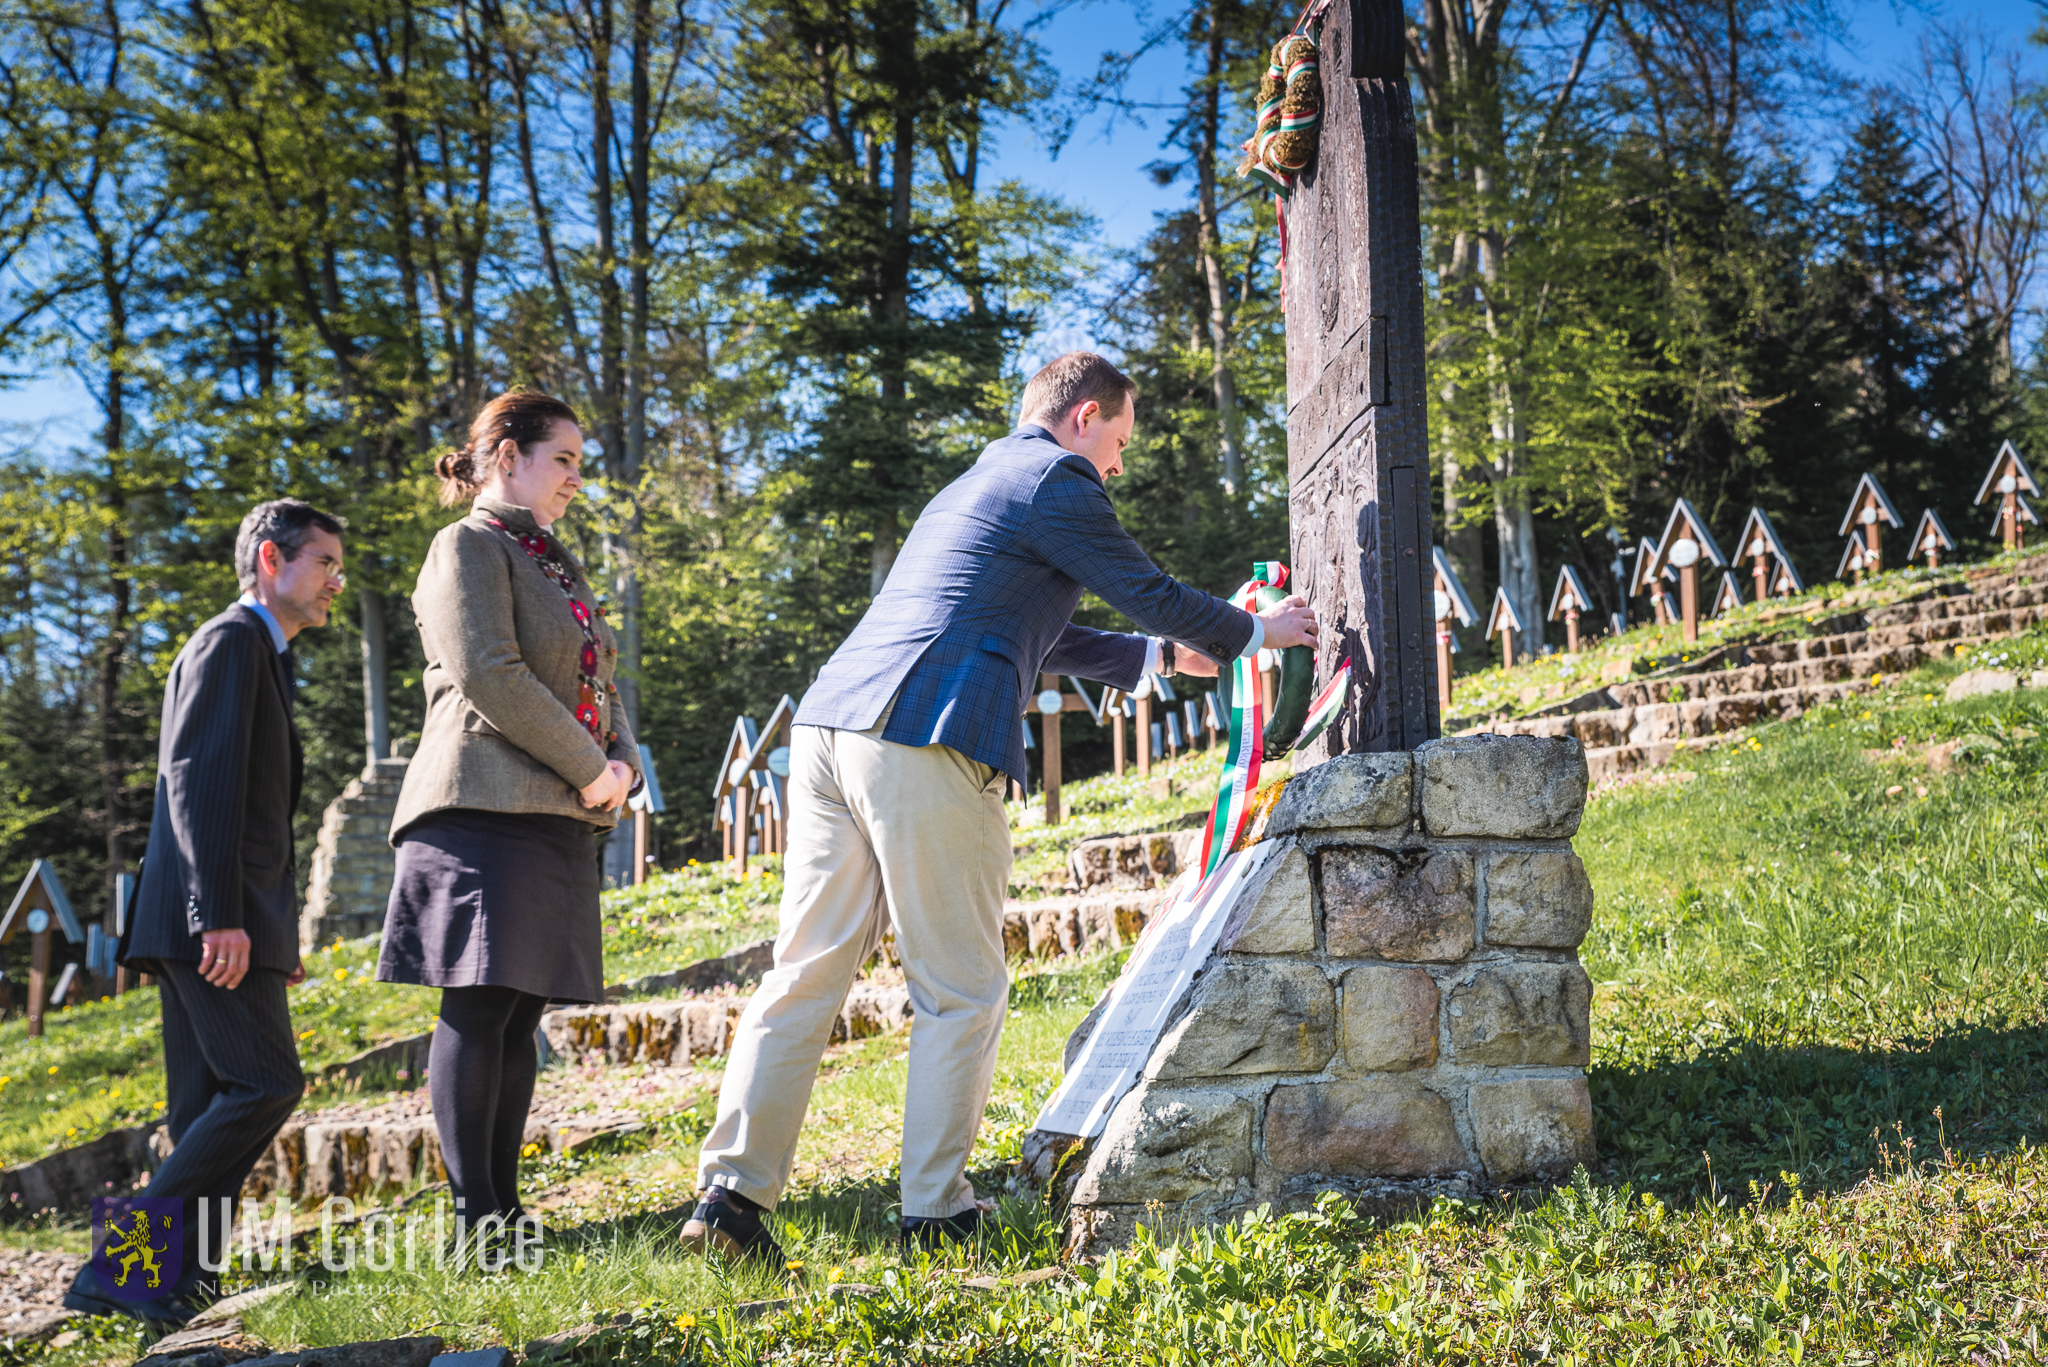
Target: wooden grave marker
{"points": [[1505, 623], [41, 910], [1050, 704], [1450, 601], [1870, 512], [733, 792], [1729, 596], [1770, 567], [644, 804], [1930, 539], [1685, 543], [1643, 582], [2010, 481], [1567, 601]]}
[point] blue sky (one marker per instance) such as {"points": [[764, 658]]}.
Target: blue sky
{"points": [[1099, 168]]}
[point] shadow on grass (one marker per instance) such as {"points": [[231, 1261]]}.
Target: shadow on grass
{"points": [[1747, 1112]]}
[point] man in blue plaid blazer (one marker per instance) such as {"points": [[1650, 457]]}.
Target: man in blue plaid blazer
{"points": [[898, 764]]}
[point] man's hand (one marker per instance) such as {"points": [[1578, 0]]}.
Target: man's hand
{"points": [[1193, 663], [297, 975], [1290, 622], [224, 957]]}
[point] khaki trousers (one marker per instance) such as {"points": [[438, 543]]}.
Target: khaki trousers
{"points": [[916, 834]]}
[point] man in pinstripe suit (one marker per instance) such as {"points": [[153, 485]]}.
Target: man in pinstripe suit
{"points": [[216, 916], [899, 759]]}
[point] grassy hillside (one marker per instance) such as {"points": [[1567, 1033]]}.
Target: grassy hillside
{"points": [[1820, 1069]]}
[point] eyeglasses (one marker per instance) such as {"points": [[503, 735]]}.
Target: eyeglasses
{"points": [[335, 575]]}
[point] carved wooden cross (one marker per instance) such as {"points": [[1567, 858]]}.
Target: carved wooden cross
{"points": [[1357, 423]]}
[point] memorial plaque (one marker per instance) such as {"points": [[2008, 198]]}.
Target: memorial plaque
{"points": [[1357, 426]]}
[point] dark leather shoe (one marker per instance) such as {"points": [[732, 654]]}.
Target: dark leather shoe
{"points": [[88, 1297], [727, 1223], [930, 1231]]}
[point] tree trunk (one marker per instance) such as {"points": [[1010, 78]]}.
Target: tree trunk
{"points": [[376, 676], [626, 584], [1221, 384], [895, 293]]}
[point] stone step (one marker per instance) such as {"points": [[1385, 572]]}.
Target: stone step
{"points": [[1691, 719], [313, 1161], [1058, 926], [1148, 859], [1801, 673], [2018, 593], [2001, 621]]}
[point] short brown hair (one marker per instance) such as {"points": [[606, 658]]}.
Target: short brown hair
{"points": [[289, 523], [524, 416], [1071, 380]]}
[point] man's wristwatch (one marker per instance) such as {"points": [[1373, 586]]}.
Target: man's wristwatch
{"points": [[1165, 656]]}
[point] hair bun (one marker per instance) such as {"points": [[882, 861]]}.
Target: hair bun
{"points": [[455, 465]]}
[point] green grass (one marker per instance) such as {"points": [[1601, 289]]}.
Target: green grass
{"points": [[98, 1065], [1795, 961], [1488, 690], [1820, 1066]]}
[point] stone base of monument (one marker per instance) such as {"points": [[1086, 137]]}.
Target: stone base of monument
{"points": [[353, 861], [1394, 1009]]}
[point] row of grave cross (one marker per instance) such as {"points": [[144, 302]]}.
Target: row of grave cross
{"points": [[751, 794], [1677, 555]]}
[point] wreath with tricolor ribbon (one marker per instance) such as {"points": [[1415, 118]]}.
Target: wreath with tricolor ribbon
{"points": [[1297, 718], [1290, 111]]}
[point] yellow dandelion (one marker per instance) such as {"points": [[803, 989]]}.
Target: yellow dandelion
{"points": [[53, 1070], [340, 973], [686, 1322], [305, 1034], [795, 1265]]}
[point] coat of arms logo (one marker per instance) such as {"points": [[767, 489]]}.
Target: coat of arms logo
{"points": [[138, 1245]]}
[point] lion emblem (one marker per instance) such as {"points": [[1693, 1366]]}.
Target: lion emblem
{"points": [[132, 1246]]}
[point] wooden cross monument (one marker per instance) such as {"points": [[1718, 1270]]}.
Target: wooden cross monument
{"points": [[1357, 423]]}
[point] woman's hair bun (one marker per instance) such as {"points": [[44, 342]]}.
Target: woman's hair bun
{"points": [[454, 466]]}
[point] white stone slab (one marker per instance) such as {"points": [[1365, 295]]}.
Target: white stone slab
{"points": [[1175, 945]]}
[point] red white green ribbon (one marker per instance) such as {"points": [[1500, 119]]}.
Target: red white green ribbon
{"points": [[1327, 705], [1247, 732]]}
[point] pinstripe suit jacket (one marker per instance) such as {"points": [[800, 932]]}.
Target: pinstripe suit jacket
{"points": [[979, 602], [228, 774]]}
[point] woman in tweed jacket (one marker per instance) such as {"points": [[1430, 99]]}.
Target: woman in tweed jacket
{"points": [[522, 765]]}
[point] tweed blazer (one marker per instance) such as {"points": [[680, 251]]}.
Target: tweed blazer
{"points": [[503, 645], [979, 601], [228, 773]]}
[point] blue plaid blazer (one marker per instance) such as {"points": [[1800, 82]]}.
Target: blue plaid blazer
{"points": [[979, 601]]}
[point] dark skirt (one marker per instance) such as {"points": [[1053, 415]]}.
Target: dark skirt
{"points": [[496, 899]]}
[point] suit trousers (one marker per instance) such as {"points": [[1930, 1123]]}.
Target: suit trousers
{"points": [[916, 834], [231, 1074]]}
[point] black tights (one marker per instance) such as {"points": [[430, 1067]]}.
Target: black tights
{"points": [[480, 1072]]}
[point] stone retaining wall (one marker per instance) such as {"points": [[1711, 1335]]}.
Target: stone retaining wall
{"points": [[1395, 1010], [353, 861]]}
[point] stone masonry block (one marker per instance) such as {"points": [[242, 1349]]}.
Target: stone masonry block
{"points": [[1351, 1129], [1531, 1128], [1538, 898], [1414, 905], [1168, 1145], [1374, 790], [1513, 787], [1389, 1019], [1277, 915], [1523, 1013], [1252, 1017]]}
